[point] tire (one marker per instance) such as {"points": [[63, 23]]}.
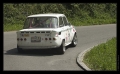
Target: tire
{"points": [[62, 48], [74, 41], [19, 49]]}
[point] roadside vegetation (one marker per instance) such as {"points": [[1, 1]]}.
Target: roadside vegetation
{"points": [[78, 14], [102, 57]]}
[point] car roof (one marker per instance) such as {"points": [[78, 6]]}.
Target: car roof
{"points": [[47, 14]]}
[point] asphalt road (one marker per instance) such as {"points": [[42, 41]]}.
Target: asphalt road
{"points": [[88, 36]]}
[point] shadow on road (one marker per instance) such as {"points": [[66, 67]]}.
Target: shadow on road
{"points": [[41, 52]]}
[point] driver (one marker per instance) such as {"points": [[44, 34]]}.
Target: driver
{"points": [[38, 24]]}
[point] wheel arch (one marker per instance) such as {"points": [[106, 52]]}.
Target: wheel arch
{"points": [[74, 35]]}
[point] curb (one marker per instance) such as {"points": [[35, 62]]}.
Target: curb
{"points": [[80, 59]]}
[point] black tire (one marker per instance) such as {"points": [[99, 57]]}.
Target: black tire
{"points": [[74, 41], [62, 48], [19, 49]]}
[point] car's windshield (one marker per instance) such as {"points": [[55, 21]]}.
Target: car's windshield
{"points": [[41, 22]]}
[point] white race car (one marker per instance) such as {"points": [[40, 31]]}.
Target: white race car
{"points": [[44, 31]]}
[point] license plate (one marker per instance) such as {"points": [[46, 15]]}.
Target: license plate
{"points": [[35, 39]]}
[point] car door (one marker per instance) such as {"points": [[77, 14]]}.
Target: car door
{"points": [[61, 26], [67, 29]]}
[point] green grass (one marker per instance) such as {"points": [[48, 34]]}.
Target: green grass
{"points": [[102, 57], [12, 27], [90, 21]]}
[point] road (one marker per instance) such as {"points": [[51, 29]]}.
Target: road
{"points": [[88, 36]]}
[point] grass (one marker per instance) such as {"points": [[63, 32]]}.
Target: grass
{"points": [[90, 21], [102, 57], [12, 27]]}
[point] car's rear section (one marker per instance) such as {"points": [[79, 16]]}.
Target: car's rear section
{"points": [[38, 39]]}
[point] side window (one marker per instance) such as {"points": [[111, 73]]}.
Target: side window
{"points": [[60, 22], [65, 21]]}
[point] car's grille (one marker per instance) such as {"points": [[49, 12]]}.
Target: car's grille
{"points": [[37, 32], [43, 32], [31, 32]]}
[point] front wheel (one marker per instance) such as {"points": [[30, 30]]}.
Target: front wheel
{"points": [[74, 41], [62, 48]]}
